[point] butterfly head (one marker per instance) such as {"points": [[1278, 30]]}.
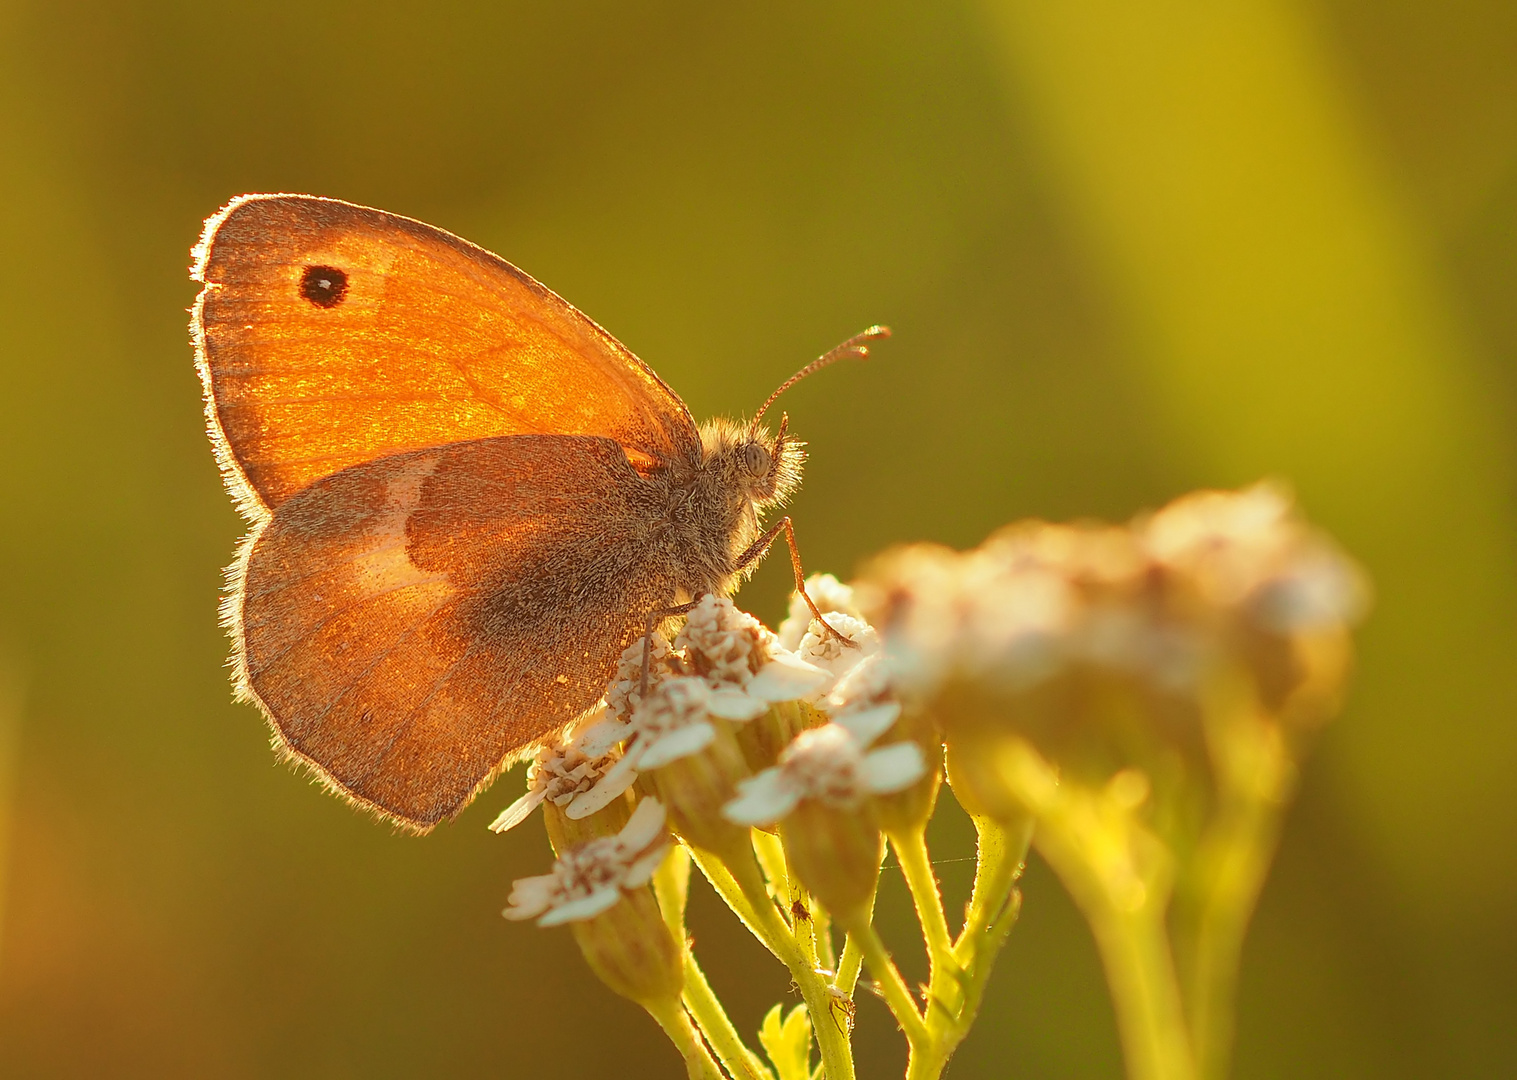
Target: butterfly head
{"points": [[754, 465]]}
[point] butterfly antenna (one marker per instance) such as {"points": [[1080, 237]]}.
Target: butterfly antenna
{"points": [[856, 347]]}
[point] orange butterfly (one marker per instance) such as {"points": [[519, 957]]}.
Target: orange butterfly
{"points": [[466, 499]]}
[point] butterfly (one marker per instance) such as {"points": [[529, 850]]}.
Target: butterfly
{"points": [[465, 499]]}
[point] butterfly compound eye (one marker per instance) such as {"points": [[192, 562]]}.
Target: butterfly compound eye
{"points": [[756, 459], [324, 286]]}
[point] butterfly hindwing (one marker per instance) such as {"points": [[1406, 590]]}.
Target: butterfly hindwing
{"points": [[412, 624]]}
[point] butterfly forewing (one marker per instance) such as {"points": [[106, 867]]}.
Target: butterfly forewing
{"points": [[411, 623], [330, 334]]}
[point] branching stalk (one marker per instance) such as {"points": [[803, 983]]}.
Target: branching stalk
{"points": [[888, 978]]}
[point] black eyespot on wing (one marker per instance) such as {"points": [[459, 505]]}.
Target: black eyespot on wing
{"points": [[324, 286]]}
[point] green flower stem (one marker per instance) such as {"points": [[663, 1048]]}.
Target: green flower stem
{"points": [[831, 1039], [814, 933], [671, 885], [916, 864], [849, 966], [740, 1062], [851, 963], [671, 1017], [742, 887], [943, 991], [821, 924], [892, 986], [1126, 916], [1135, 951], [771, 856], [977, 975], [1233, 860]]}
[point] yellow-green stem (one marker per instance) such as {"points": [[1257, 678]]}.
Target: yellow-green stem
{"points": [[671, 1017], [852, 961], [703, 1004], [944, 993], [817, 928], [957, 985], [671, 885], [1135, 952], [771, 856], [1120, 876], [849, 966], [916, 865], [1236, 852], [1002, 850]]}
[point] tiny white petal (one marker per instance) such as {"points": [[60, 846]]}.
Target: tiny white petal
{"points": [[786, 677], [644, 826], [1321, 590], [893, 767], [762, 799], [518, 811], [531, 896], [681, 742], [731, 703], [617, 779], [597, 740], [586, 907], [869, 724], [641, 871]]}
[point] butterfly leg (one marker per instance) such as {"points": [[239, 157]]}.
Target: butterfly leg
{"points": [[654, 618], [759, 547]]}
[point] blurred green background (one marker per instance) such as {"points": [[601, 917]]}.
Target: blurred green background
{"points": [[1127, 249]]}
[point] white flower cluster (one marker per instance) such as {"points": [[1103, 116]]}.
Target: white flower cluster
{"points": [[724, 668], [832, 764], [569, 772], [590, 878]]}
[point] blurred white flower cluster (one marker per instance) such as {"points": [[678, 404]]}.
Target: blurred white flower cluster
{"points": [[1212, 576]]}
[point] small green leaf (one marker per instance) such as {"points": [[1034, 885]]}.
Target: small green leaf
{"points": [[788, 1042]]}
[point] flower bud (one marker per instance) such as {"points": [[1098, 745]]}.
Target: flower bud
{"points": [[566, 832], [835, 852], [631, 949], [764, 739], [821, 794], [601, 888], [696, 787]]}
